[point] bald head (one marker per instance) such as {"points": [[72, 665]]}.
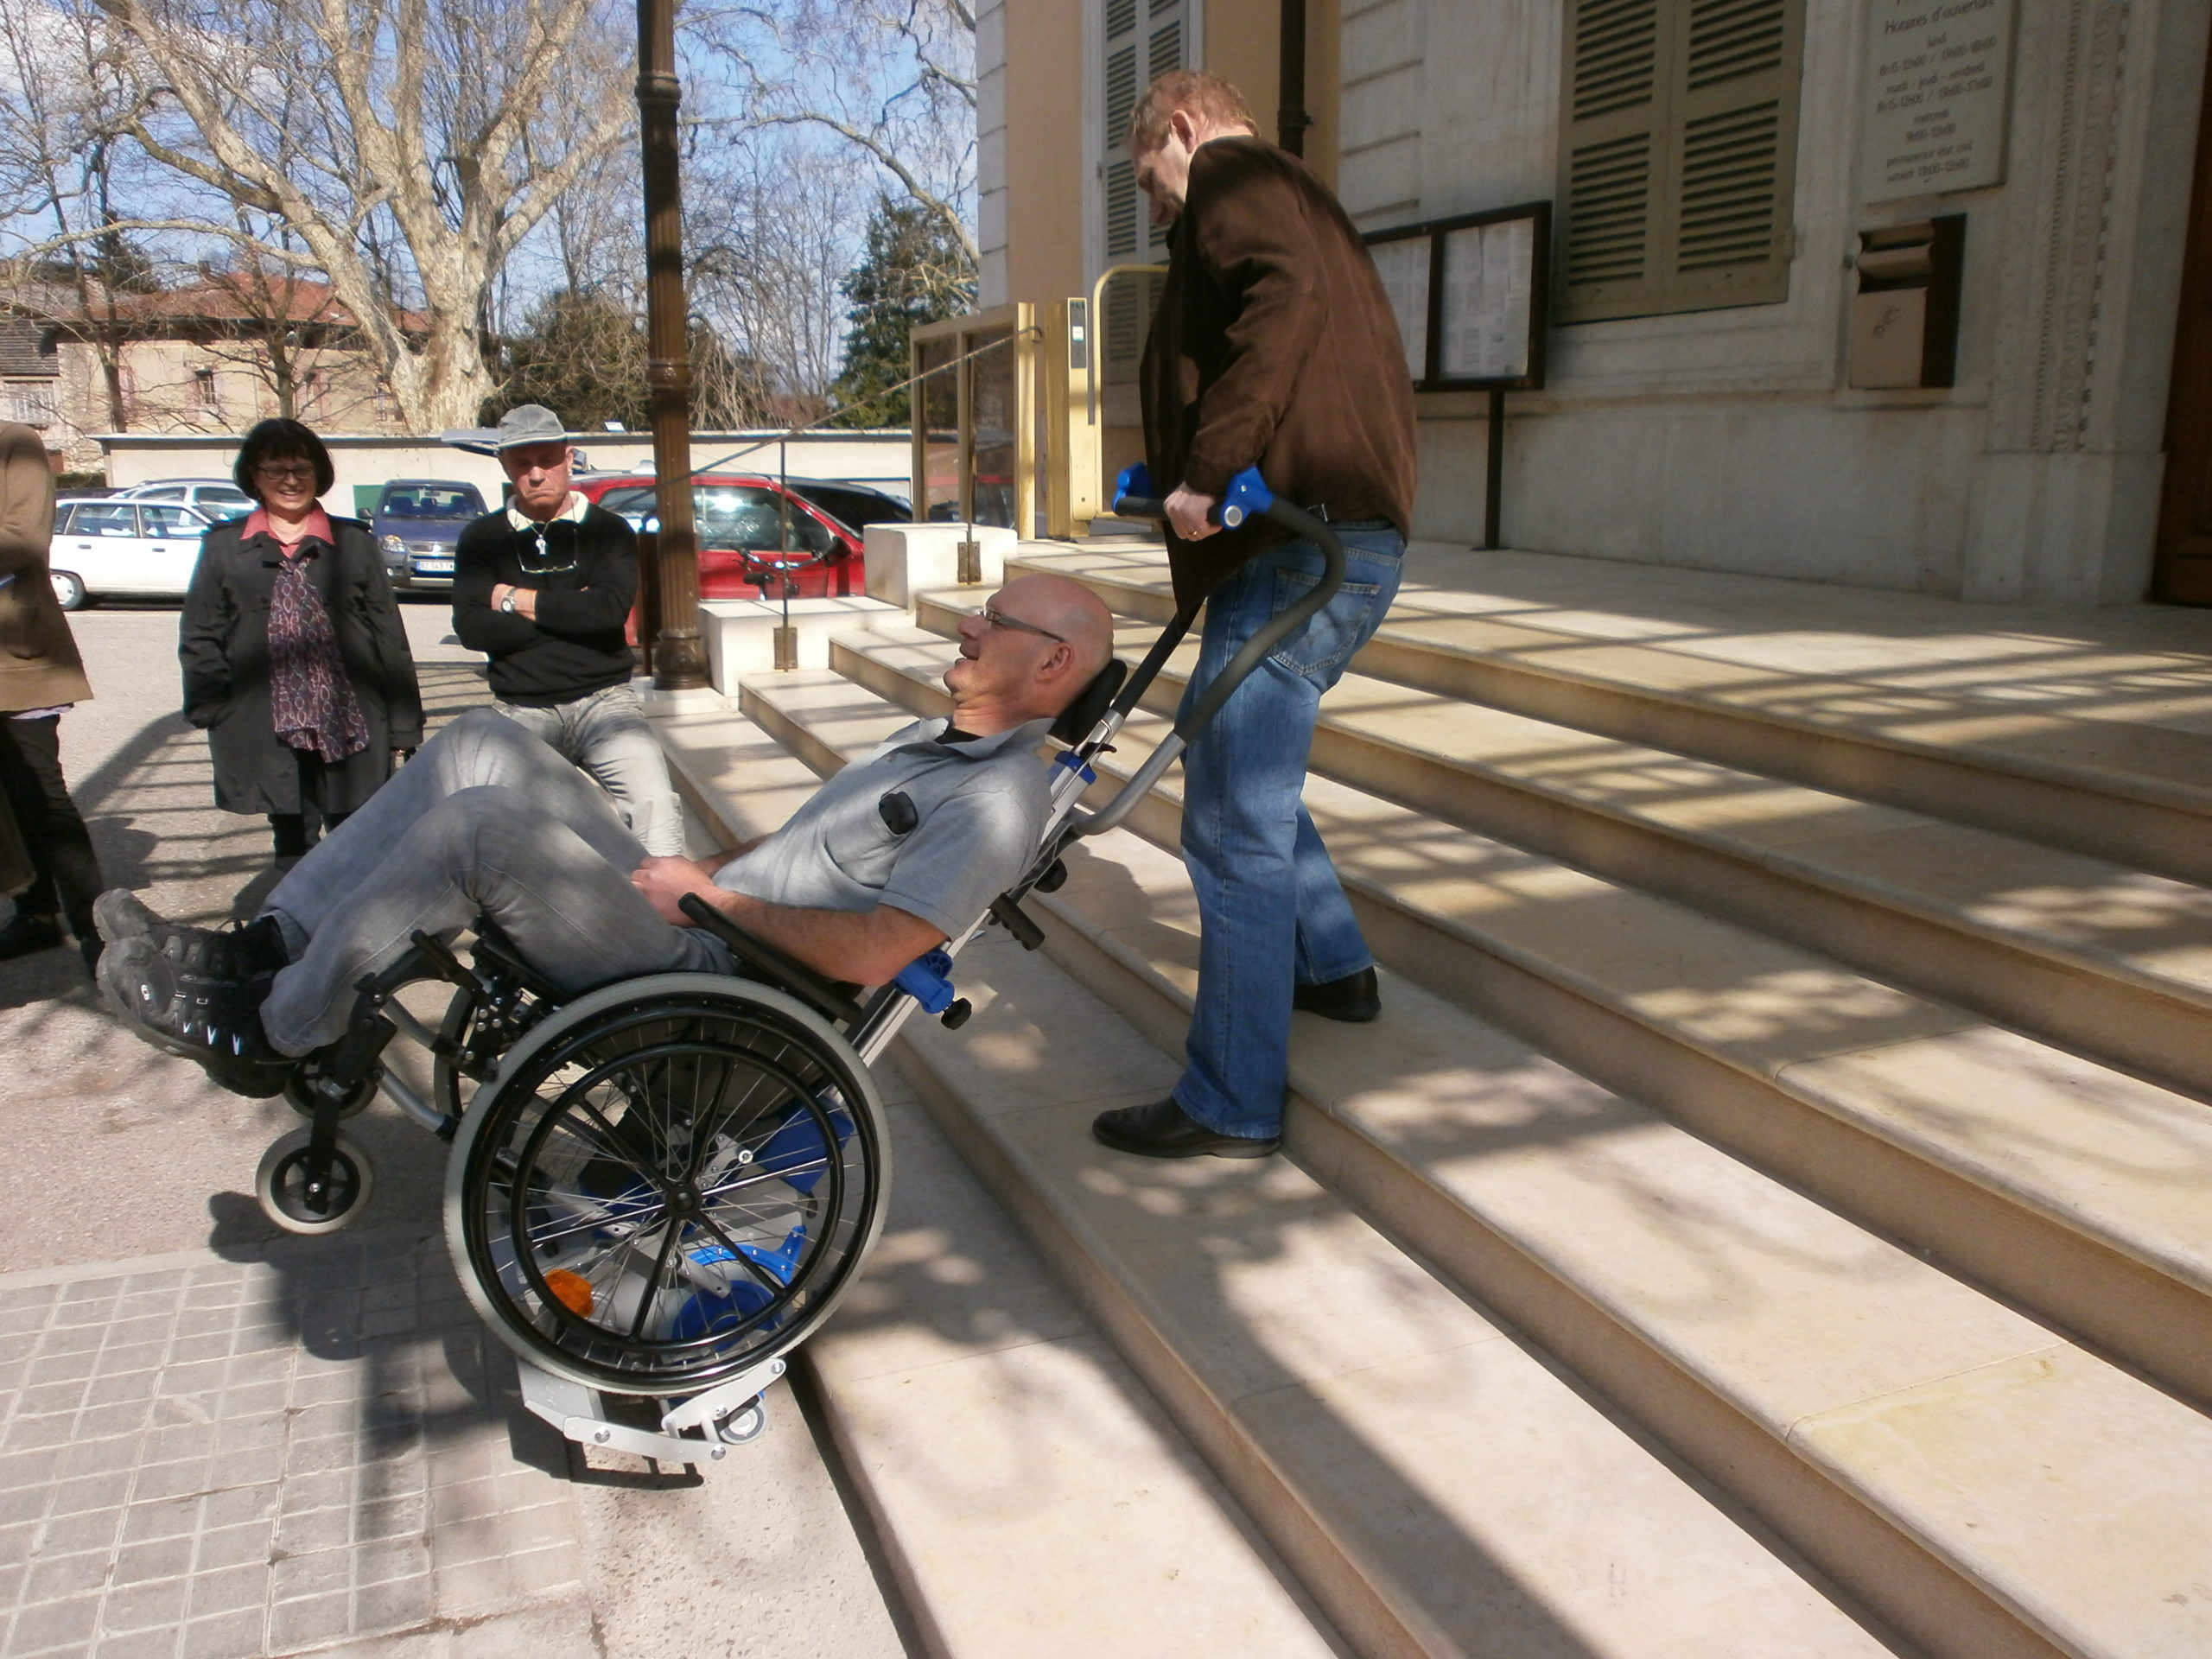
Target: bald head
{"points": [[1069, 609], [1028, 653]]}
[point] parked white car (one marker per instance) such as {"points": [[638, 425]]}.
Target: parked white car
{"points": [[109, 545], [219, 498]]}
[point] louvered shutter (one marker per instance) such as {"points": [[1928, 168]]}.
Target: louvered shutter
{"points": [[1678, 150], [1144, 38], [1615, 108], [1728, 240]]}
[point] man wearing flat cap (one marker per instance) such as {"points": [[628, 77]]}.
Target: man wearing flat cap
{"points": [[543, 586]]}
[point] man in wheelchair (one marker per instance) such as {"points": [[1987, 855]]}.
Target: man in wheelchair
{"points": [[895, 853]]}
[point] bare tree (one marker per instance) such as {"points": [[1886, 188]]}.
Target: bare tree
{"points": [[406, 148], [61, 144], [892, 80], [771, 239]]}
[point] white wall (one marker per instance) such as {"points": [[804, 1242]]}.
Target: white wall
{"points": [[1726, 439]]}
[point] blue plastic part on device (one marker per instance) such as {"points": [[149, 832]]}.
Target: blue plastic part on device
{"points": [[928, 980], [1248, 494], [705, 1312], [1075, 763]]}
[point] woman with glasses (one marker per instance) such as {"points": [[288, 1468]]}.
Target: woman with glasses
{"points": [[296, 661]]}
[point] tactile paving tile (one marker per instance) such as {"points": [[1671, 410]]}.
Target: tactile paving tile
{"points": [[203, 1458]]}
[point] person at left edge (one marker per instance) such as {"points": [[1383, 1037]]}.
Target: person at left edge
{"points": [[296, 661], [41, 677]]}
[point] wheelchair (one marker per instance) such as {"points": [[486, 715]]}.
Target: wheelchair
{"points": [[658, 1189]]}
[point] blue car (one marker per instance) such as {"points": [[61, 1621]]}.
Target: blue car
{"points": [[416, 522]]}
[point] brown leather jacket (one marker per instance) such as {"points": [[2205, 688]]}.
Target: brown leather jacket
{"points": [[1274, 344], [39, 664]]}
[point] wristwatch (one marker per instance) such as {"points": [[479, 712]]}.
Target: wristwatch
{"points": [[508, 603]]}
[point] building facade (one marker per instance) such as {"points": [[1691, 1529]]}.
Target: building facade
{"points": [[1744, 195], [209, 358]]}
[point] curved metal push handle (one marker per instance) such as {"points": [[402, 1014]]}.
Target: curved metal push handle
{"points": [[1247, 495]]}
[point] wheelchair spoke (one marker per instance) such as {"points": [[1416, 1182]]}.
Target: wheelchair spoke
{"points": [[617, 1150], [757, 1176], [652, 1283], [769, 1282]]}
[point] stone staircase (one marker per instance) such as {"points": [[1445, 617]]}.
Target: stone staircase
{"points": [[1773, 1216]]}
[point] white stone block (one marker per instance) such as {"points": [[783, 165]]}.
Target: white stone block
{"points": [[903, 560], [741, 632]]}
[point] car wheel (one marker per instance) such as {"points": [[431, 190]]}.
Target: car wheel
{"points": [[69, 591]]}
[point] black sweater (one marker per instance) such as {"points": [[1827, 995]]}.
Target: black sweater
{"points": [[575, 646]]}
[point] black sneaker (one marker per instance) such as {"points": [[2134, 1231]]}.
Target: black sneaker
{"points": [[26, 933], [203, 1017], [242, 950]]}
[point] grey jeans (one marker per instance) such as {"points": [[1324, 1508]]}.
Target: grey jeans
{"points": [[608, 735], [485, 820]]}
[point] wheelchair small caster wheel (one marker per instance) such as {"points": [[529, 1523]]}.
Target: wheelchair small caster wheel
{"points": [[302, 1094], [745, 1424], [298, 1204]]}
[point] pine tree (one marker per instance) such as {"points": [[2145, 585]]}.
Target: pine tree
{"points": [[914, 272]]}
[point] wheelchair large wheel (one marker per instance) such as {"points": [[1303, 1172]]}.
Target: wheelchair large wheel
{"points": [[667, 1181]]}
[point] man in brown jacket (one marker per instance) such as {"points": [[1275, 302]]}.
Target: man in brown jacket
{"points": [[1275, 346], [40, 677]]}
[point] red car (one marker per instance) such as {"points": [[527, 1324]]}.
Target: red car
{"points": [[756, 538]]}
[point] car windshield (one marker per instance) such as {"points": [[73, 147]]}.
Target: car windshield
{"points": [[433, 501], [731, 515]]}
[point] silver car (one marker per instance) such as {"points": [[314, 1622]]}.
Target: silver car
{"points": [[219, 498]]}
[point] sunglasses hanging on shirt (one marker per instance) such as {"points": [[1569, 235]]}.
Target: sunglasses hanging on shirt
{"points": [[538, 558]]}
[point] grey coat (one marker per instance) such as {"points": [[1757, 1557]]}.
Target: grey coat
{"points": [[223, 643]]}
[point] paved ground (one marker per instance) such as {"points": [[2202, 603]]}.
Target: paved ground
{"points": [[219, 1440]]}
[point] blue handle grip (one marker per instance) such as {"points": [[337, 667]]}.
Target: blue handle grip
{"points": [[1249, 494], [1134, 488]]}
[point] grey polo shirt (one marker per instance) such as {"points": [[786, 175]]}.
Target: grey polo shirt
{"points": [[978, 810]]}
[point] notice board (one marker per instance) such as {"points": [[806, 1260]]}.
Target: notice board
{"points": [[1471, 293]]}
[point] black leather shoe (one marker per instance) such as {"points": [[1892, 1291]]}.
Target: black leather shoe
{"points": [[25, 934], [1354, 999], [1164, 1129]]}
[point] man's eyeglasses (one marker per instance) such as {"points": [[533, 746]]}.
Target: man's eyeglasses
{"points": [[1000, 620]]}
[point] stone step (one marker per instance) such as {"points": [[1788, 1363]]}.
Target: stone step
{"points": [[1028, 1489], [2110, 962], [1876, 1413], [2086, 730], [2074, 1189]]}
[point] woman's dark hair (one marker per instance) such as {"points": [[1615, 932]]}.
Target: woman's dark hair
{"points": [[283, 440]]}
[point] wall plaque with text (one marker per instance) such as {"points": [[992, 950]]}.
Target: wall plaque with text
{"points": [[1938, 81]]}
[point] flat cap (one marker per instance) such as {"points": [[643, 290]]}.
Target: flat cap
{"points": [[528, 423]]}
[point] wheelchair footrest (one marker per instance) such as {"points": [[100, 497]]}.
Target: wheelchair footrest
{"points": [[693, 1430]]}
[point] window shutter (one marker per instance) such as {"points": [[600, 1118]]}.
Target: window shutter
{"points": [[1729, 240], [1144, 38], [1678, 145], [1615, 111]]}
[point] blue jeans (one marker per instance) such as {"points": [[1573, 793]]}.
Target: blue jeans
{"points": [[1271, 910]]}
